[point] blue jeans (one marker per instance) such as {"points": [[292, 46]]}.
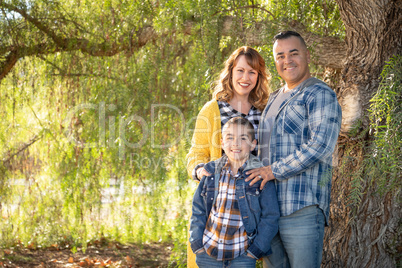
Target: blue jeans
{"points": [[203, 260], [299, 241]]}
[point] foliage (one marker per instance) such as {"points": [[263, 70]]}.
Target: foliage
{"points": [[378, 161], [321, 17], [352, 168], [385, 162], [97, 122]]}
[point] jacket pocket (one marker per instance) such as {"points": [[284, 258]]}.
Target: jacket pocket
{"points": [[253, 194], [253, 190]]}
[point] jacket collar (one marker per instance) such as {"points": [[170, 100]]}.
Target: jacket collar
{"points": [[216, 166]]}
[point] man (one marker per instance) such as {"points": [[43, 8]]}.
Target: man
{"points": [[297, 135]]}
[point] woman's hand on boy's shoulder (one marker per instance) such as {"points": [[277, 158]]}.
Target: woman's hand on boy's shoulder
{"points": [[201, 172]]}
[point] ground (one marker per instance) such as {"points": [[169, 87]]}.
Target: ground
{"points": [[96, 255]]}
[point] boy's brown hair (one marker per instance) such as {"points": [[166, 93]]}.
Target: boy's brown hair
{"points": [[241, 121]]}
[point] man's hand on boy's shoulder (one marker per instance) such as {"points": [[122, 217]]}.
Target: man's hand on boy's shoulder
{"points": [[263, 173]]}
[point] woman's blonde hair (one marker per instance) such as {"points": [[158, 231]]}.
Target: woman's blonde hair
{"points": [[224, 88]]}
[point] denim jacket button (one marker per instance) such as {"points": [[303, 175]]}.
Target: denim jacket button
{"points": [[256, 192]]}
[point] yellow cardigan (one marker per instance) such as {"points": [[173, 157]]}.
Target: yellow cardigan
{"points": [[205, 147], [206, 141]]}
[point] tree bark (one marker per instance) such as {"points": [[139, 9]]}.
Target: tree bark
{"points": [[364, 235], [373, 35]]}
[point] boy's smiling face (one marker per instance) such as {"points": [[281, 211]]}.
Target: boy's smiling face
{"points": [[237, 143]]}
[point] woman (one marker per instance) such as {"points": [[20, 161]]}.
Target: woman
{"points": [[242, 90]]}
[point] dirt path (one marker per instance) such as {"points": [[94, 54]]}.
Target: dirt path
{"points": [[97, 255]]}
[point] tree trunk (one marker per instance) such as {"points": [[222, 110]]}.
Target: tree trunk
{"points": [[373, 35], [363, 235]]}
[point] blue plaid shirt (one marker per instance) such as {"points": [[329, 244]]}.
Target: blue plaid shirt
{"points": [[301, 144]]}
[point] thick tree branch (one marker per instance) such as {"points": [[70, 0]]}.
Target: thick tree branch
{"points": [[7, 65], [18, 52], [13, 53], [327, 51], [107, 49]]}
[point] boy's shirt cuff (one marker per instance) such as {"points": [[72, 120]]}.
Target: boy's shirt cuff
{"points": [[194, 173], [199, 250], [249, 252]]}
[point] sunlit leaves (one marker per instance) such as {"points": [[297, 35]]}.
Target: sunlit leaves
{"points": [[319, 16], [385, 162]]}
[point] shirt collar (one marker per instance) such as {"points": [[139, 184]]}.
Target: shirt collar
{"points": [[227, 168]]}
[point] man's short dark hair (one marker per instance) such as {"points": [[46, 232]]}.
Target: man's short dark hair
{"points": [[241, 121], [287, 34]]}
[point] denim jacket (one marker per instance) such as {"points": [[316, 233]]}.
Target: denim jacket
{"points": [[259, 209]]}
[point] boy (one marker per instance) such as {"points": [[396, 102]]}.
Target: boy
{"points": [[232, 223]]}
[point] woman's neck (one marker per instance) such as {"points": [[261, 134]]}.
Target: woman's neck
{"points": [[240, 104]]}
